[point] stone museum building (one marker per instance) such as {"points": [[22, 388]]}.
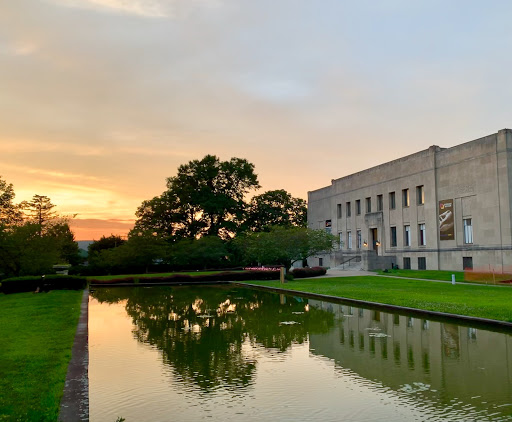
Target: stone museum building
{"points": [[437, 209]]}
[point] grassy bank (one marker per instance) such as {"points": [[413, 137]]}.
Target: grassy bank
{"points": [[493, 302], [113, 277], [37, 332]]}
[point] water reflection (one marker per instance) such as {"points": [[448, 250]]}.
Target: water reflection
{"points": [[452, 366], [225, 343], [201, 331]]}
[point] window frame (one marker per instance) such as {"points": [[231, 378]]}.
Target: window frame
{"points": [[468, 237], [392, 200], [420, 195], [422, 234], [407, 235], [406, 198], [392, 237]]}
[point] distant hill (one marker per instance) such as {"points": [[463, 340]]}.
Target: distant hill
{"points": [[83, 244]]}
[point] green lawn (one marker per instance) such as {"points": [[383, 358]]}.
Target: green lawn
{"points": [[493, 302], [112, 277], [36, 337]]}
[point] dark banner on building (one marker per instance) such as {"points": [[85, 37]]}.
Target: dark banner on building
{"points": [[446, 220]]}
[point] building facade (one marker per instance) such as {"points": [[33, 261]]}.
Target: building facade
{"points": [[439, 209]]}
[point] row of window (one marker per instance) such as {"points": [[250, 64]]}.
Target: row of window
{"points": [[422, 235], [420, 197], [467, 263]]}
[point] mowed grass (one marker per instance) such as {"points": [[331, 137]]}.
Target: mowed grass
{"points": [[493, 302], [36, 337], [112, 277]]}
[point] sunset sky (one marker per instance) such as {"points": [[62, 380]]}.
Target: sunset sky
{"points": [[101, 100]]}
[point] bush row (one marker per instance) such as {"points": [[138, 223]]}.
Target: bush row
{"points": [[308, 272], [49, 282], [180, 278]]}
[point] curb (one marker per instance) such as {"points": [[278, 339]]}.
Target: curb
{"points": [[74, 405], [496, 325]]}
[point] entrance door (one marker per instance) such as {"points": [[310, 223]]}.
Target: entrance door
{"points": [[375, 239]]}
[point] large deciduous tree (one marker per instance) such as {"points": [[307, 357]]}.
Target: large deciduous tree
{"points": [[205, 198], [284, 246], [275, 208]]}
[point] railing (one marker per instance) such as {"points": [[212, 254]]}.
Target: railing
{"points": [[357, 258]]}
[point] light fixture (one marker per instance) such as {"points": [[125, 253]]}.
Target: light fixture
{"points": [[377, 243], [365, 244]]}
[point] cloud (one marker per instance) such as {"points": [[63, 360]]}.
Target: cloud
{"points": [[141, 8]]}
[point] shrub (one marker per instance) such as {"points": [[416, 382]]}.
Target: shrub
{"points": [[309, 272], [181, 278], [49, 282]]}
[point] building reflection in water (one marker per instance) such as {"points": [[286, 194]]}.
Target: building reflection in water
{"points": [[452, 360]]}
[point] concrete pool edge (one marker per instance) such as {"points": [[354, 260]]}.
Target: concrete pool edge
{"points": [[74, 405], [464, 319]]}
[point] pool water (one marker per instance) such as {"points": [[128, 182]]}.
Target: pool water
{"points": [[222, 353]]}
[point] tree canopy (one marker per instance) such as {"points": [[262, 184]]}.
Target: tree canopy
{"points": [[33, 237], [207, 198], [275, 208], [284, 246]]}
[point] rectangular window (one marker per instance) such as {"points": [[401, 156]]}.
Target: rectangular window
{"points": [[468, 231], [393, 236], [328, 226], [422, 263], [392, 200], [407, 263], [420, 194], [349, 209], [467, 263], [320, 262], [359, 239], [338, 210], [368, 205], [405, 198], [379, 203], [407, 235], [340, 234], [358, 207], [422, 234], [349, 240]]}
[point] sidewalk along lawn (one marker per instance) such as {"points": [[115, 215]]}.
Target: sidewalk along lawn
{"points": [[425, 274], [460, 276], [37, 334], [492, 302]]}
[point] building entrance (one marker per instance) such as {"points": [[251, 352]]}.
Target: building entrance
{"points": [[375, 240]]}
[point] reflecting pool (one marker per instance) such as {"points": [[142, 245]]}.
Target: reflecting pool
{"points": [[224, 353]]}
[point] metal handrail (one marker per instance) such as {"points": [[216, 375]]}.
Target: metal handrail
{"points": [[357, 258]]}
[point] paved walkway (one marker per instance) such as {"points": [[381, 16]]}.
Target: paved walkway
{"points": [[335, 272]]}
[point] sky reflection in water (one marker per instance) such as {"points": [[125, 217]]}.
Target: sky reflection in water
{"points": [[223, 353]]}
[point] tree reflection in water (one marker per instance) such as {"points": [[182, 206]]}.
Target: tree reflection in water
{"points": [[201, 331]]}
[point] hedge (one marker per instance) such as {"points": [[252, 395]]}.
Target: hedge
{"points": [[181, 278], [308, 272], [49, 282]]}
